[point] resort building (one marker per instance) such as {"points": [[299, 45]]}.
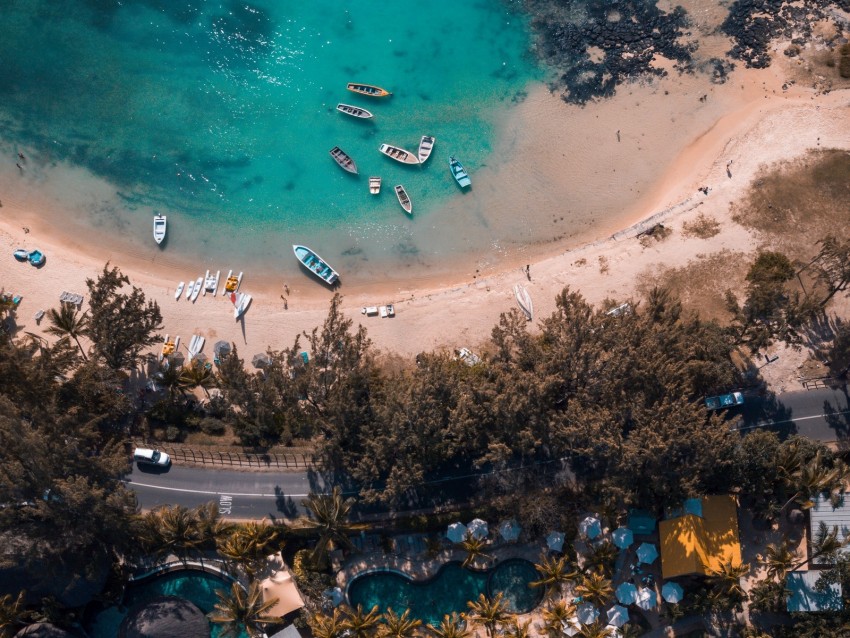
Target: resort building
{"points": [[805, 595], [831, 516], [702, 538]]}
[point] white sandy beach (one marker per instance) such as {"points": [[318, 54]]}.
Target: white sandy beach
{"points": [[669, 148]]}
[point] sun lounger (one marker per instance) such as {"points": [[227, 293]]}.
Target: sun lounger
{"points": [[38, 316], [383, 310], [369, 311]]}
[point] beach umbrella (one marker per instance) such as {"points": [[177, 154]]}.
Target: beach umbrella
{"points": [[177, 359], [587, 614], [618, 616], [200, 357], [456, 532], [478, 529], [626, 593], [571, 627], [555, 541], [509, 530], [591, 527], [221, 348], [261, 360], [672, 592], [623, 537], [647, 553], [646, 598], [335, 596]]}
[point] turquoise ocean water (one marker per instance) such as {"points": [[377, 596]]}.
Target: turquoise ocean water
{"points": [[221, 115]]}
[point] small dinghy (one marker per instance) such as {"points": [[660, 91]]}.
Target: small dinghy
{"points": [[403, 199], [315, 264], [159, 224], [368, 89], [398, 154], [426, 145], [180, 287], [343, 159], [374, 185], [354, 111], [458, 173]]}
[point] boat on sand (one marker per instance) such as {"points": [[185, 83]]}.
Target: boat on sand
{"points": [[241, 301], [426, 145], [368, 89], [524, 301], [403, 199], [180, 287], [343, 159], [458, 173], [199, 283], [354, 111], [374, 185], [398, 154], [315, 264], [159, 223]]}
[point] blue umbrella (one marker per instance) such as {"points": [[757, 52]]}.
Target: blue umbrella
{"points": [[590, 527], [672, 592], [587, 613], [647, 553], [646, 598], [627, 593], [509, 530], [555, 541], [618, 616], [623, 537], [456, 532]]}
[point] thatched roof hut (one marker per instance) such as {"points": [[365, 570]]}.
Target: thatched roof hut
{"points": [[165, 617]]}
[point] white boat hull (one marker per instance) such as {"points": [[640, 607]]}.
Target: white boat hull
{"points": [[159, 227]]}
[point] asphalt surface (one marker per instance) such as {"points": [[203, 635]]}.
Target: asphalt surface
{"points": [[822, 414]]}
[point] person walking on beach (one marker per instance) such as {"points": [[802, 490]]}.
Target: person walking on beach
{"points": [[528, 271], [20, 168]]}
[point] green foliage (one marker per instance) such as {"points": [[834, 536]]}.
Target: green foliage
{"points": [[839, 352], [832, 266], [121, 325]]}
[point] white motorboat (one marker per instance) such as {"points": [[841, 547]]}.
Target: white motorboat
{"points": [[159, 223], [199, 283], [180, 287]]}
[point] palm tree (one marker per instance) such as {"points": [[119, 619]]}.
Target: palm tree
{"points": [[169, 377], [825, 544], [361, 623], [594, 630], [518, 629], [210, 525], [474, 548], [555, 615], [778, 559], [554, 572], [726, 580], [243, 609], [399, 626], [453, 626], [171, 529], [67, 322], [324, 626], [247, 545], [595, 588], [811, 478], [490, 612], [197, 375], [603, 556], [12, 614], [330, 512]]}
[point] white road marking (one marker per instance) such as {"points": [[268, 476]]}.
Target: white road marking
{"points": [[802, 418], [182, 489]]}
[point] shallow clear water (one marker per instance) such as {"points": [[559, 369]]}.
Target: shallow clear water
{"points": [[221, 114], [195, 586], [448, 591]]}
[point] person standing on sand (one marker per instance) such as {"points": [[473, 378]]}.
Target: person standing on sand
{"points": [[528, 271]]}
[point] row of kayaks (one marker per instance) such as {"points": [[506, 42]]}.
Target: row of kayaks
{"points": [[35, 257], [209, 283]]}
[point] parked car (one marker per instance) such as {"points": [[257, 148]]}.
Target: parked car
{"points": [[724, 401], [147, 456]]}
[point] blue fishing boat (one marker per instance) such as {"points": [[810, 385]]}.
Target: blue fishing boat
{"points": [[315, 264], [458, 173], [21, 254], [36, 258]]}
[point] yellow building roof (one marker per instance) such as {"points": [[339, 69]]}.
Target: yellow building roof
{"points": [[693, 544]]}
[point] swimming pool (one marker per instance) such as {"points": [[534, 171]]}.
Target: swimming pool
{"points": [[191, 584], [448, 591]]}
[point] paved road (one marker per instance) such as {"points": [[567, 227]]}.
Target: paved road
{"points": [[819, 414]]}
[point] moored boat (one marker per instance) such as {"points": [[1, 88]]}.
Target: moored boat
{"points": [[426, 145], [354, 111], [315, 264], [524, 301], [343, 159], [159, 225], [179, 292], [368, 89], [403, 199], [398, 154], [374, 185], [458, 173]]}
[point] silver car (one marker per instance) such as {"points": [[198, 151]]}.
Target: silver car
{"points": [[147, 456]]}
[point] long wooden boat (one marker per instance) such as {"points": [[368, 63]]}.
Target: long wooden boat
{"points": [[458, 173], [398, 154], [354, 111], [524, 301], [315, 264], [159, 226], [374, 185], [403, 199], [368, 89], [426, 145], [343, 159]]}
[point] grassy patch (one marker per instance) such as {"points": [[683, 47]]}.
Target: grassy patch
{"points": [[702, 227]]}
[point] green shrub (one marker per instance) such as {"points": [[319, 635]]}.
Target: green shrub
{"points": [[844, 60]]}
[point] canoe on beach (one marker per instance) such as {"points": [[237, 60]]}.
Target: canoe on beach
{"points": [[398, 154], [343, 159], [403, 199], [353, 111], [315, 264], [524, 301], [426, 145], [368, 89]]}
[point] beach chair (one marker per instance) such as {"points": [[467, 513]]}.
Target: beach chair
{"points": [[38, 316]]}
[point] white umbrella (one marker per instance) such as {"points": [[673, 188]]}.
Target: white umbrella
{"points": [[456, 532], [672, 592], [587, 614], [646, 598], [613, 631], [555, 541], [618, 616], [647, 553], [510, 530], [571, 627], [627, 593], [591, 527], [623, 537], [478, 528]]}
